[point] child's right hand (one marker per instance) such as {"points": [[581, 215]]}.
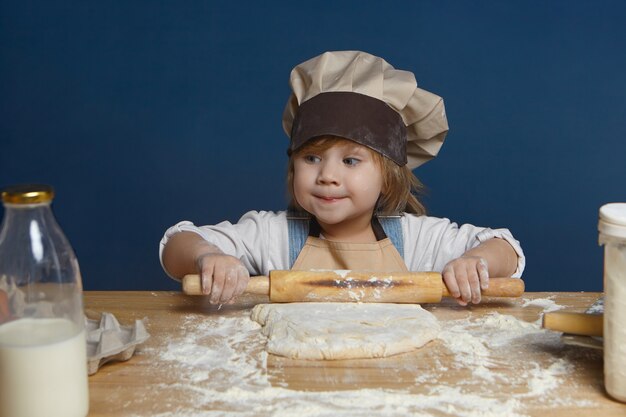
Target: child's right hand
{"points": [[222, 276]]}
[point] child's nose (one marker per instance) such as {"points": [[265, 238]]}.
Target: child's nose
{"points": [[328, 173]]}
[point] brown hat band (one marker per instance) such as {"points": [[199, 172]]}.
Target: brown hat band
{"points": [[363, 119]]}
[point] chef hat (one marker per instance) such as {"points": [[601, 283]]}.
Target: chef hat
{"points": [[358, 96]]}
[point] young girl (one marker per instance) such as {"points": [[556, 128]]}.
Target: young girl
{"points": [[357, 128]]}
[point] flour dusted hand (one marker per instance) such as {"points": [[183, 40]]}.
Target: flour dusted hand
{"points": [[465, 277], [223, 277]]}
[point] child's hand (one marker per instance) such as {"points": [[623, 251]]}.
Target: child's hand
{"points": [[224, 277], [465, 277]]}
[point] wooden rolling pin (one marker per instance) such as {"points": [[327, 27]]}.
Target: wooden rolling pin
{"points": [[338, 286], [574, 323]]}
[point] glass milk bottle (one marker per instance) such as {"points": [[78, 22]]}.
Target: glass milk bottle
{"points": [[43, 366], [612, 228]]}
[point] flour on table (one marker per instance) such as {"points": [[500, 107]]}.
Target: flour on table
{"points": [[546, 304], [344, 330], [223, 370]]}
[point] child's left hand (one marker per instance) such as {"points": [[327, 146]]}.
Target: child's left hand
{"points": [[465, 277]]}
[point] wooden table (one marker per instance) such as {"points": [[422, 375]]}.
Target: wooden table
{"points": [[201, 360]]}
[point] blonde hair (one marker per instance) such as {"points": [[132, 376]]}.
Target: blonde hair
{"points": [[400, 186]]}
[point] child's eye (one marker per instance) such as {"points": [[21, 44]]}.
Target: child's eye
{"points": [[312, 158], [351, 161]]}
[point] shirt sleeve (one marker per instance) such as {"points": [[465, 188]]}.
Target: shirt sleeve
{"points": [[431, 242], [258, 239]]}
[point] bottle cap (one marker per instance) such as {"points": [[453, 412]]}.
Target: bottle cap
{"points": [[28, 194], [613, 220]]}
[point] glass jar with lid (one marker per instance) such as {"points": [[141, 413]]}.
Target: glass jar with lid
{"points": [[612, 228], [42, 330]]}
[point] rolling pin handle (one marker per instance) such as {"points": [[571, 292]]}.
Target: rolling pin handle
{"points": [[192, 284], [257, 285], [499, 287]]}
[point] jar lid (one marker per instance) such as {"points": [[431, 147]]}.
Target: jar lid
{"points": [[613, 219], [28, 194]]}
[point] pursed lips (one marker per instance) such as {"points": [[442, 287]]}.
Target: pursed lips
{"points": [[328, 199]]}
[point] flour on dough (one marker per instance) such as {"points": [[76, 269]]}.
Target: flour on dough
{"points": [[344, 330]]}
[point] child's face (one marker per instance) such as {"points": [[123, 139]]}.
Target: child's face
{"points": [[339, 184]]}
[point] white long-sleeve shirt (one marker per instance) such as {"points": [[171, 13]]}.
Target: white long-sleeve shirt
{"points": [[260, 241]]}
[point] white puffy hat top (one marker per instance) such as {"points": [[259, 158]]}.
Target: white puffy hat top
{"points": [[358, 96]]}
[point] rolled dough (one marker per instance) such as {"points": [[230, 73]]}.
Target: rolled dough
{"points": [[344, 330]]}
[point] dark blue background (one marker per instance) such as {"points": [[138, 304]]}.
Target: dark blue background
{"points": [[144, 113]]}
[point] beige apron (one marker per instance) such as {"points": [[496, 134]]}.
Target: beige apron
{"points": [[380, 256]]}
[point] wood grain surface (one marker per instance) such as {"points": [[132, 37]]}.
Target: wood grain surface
{"points": [[146, 385]]}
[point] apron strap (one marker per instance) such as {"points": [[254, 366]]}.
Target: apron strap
{"points": [[298, 231], [393, 229]]}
